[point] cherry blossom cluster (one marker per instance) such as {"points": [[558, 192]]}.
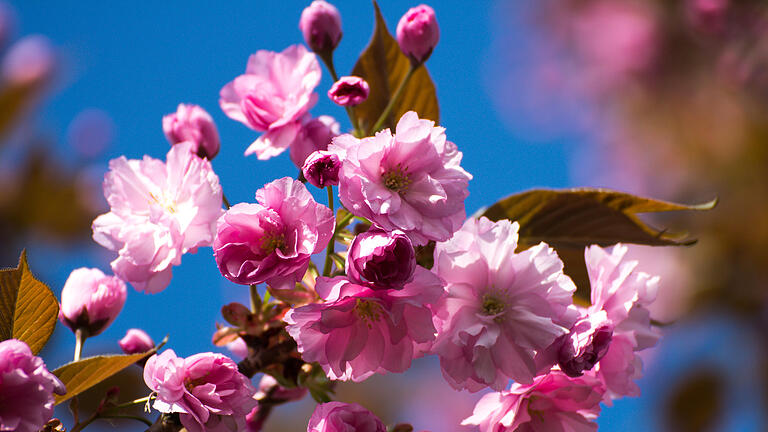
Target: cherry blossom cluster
{"points": [[497, 315]]}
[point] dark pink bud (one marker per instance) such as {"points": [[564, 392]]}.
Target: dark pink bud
{"points": [[587, 343], [268, 387], [383, 259], [349, 91], [320, 24], [418, 33], [90, 300], [136, 341], [321, 169], [192, 123]]}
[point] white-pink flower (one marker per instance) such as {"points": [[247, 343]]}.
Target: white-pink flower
{"points": [[411, 181], [502, 307], [272, 96], [158, 212], [361, 330], [554, 402]]}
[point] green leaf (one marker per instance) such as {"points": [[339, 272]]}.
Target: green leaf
{"points": [[28, 308], [384, 66], [571, 219], [81, 375]]}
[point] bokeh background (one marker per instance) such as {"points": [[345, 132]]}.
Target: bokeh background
{"points": [[661, 98]]}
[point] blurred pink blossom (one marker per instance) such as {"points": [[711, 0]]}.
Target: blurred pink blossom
{"points": [[553, 402], [90, 300], [410, 181], [26, 388], [136, 341], [192, 123], [158, 212], [502, 307], [343, 417], [30, 61], [206, 389], [272, 96]]}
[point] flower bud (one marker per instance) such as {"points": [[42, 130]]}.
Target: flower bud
{"points": [[136, 341], [320, 24], [29, 62], [349, 91], [322, 169], [383, 259], [587, 343], [418, 33], [90, 300], [315, 135], [192, 123]]}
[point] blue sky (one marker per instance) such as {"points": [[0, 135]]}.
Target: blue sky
{"points": [[137, 62]]}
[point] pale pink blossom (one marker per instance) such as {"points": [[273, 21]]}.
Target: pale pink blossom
{"points": [[29, 62], [316, 134], [272, 96], [418, 33], [343, 417], [349, 91], [193, 123], [136, 341], [91, 300], [502, 307], [273, 240], [411, 181], [206, 389], [26, 388], [158, 212], [553, 402], [360, 331], [320, 24]]}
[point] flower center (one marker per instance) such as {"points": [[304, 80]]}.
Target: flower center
{"points": [[492, 305], [163, 201], [272, 241], [396, 179], [368, 311]]}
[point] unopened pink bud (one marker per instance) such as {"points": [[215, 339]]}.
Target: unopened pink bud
{"points": [[349, 91], [90, 300], [321, 169], [136, 341], [321, 25], [192, 123], [418, 33]]}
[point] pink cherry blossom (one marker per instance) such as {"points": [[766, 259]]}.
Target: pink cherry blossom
{"points": [[26, 388], [553, 402], [136, 341], [502, 307], [272, 96], [273, 240], [623, 294], [158, 212], [360, 331], [381, 259], [205, 389], [411, 181], [316, 134], [321, 169], [193, 123], [343, 417], [91, 301]]}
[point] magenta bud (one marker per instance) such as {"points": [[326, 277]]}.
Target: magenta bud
{"points": [[349, 91], [320, 24], [192, 123], [418, 33], [587, 343], [90, 300], [321, 169], [136, 341], [383, 259]]}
